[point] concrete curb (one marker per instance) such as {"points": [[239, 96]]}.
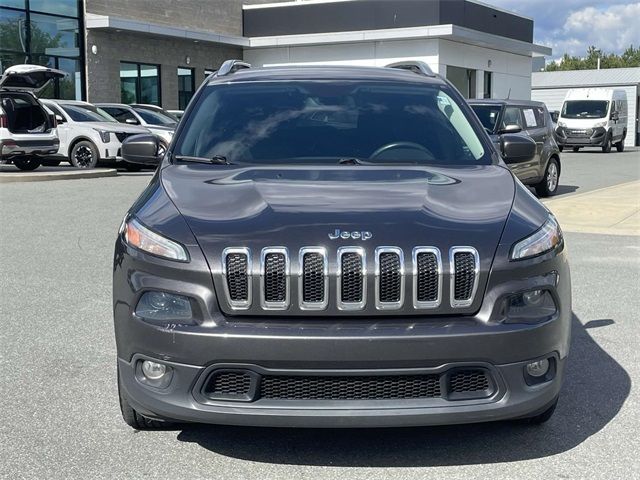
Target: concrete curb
{"points": [[14, 177]]}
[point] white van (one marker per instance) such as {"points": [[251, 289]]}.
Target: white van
{"points": [[593, 117]]}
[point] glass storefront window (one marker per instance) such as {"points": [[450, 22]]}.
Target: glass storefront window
{"points": [[44, 32], [139, 83], [186, 86], [57, 7], [54, 35]]}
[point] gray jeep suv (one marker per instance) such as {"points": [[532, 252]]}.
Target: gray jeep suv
{"points": [[336, 247], [532, 119]]}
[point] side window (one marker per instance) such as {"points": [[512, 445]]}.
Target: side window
{"points": [[511, 117], [120, 114], [55, 110], [531, 118]]}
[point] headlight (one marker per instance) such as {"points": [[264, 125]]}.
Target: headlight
{"points": [[144, 239], [562, 124], [104, 136], [548, 237], [599, 124]]}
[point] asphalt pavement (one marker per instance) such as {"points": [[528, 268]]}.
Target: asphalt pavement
{"points": [[58, 383]]}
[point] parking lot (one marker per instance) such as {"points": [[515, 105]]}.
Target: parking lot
{"points": [[61, 417]]}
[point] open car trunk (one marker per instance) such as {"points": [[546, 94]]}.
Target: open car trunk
{"points": [[24, 113]]}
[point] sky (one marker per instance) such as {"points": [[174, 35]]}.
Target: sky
{"points": [[571, 26]]}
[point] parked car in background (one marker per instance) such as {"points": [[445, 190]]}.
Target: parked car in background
{"points": [[176, 113], [89, 135], [532, 119], [152, 117], [593, 117], [27, 131]]}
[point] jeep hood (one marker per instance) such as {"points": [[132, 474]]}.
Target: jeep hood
{"points": [[299, 206]]}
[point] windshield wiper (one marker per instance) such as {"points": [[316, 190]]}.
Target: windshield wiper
{"points": [[215, 160]]}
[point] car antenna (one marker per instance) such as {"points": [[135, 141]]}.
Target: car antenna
{"points": [[509, 94]]}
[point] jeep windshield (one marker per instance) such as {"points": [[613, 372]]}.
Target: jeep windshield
{"points": [[585, 109], [325, 122]]}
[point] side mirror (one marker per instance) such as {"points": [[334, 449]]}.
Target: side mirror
{"points": [[144, 148], [60, 119], [517, 148], [614, 116], [555, 115], [132, 121], [511, 128]]}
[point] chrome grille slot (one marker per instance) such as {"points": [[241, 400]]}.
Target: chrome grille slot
{"points": [[464, 275], [236, 270], [427, 277], [314, 279], [389, 278], [352, 287], [274, 278]]}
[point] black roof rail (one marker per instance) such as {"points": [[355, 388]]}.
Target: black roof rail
{"points": [[414, 66], [231, 66]]}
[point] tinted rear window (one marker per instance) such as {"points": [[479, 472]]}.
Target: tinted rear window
{"points": [[324, 121]]}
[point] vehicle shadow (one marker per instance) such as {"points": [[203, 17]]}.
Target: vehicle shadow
{"points": [[595, 389], [562, 189]]}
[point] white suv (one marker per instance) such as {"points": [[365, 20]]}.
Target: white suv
{"points": [[88, 134], [27, 130]]}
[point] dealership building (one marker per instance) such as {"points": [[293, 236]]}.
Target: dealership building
{"points": [[158, 51]]}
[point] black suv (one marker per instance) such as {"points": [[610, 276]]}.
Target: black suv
{"points": [[335, 247], [531, 118]]}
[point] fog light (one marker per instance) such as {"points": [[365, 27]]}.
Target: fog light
{"points": [[532, 298], [164, 307], [153, 370], [539, 368], [530, 307]]}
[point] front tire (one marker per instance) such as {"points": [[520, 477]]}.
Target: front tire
{"points": [[606, 148], [135, 420], [84, 154], [549, 184], [27, 163], [560, 147], [576, 149], [620, 145]]}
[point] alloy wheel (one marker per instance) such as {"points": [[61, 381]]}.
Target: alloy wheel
{"points": [[83, 156], [552, 177]]}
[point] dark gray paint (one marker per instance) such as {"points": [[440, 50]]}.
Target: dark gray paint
{"points": [[208, 208], [376, 14]]}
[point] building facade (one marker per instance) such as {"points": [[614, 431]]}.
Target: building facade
{"points": [[159, 51]]}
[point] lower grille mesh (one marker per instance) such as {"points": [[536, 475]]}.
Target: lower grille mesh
{"points": [[350, 388], [229, 384], [352, 279], [468, 381], [464, 275], [237, 278]]}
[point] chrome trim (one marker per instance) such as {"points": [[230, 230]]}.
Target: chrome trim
{"points": [[431, 304], [351, 305], [452, 280], [325, 271], [380, 305], [270, 305], [235, 304]]}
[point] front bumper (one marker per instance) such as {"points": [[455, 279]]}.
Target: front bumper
{"points": [[316, 346], [590, 137]]}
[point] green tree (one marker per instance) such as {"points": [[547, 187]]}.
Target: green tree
{"points": [[629, 58]]}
